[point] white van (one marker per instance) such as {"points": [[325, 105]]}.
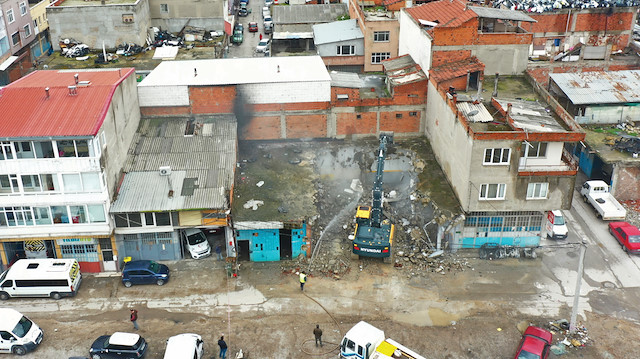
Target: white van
{"points": [[184, 346], [196, 243], [556, 227], [55, 278], [18, 334]]}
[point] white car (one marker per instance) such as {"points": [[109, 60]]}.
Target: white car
{"points": [[197, 243], [263, 45], [184, 346]]}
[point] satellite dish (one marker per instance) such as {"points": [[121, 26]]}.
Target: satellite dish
{"points": [[472, 113]]}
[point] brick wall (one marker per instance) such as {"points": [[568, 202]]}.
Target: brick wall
{"points": [[165, 111], [305, 126], [627, 186], [343, 60], [352, 123], [212, 99], [389, 121], [440, 58], [261, 128]]}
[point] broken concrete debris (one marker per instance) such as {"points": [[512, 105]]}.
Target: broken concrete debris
{"points": [[253, 204], [560, 329]]}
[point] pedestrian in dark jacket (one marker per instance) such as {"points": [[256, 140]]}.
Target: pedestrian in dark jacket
{"points": [[134, 318], [318, 334], [223, 347]]}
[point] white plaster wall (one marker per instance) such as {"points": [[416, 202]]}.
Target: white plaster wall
{"points": [[152, 96], [553, 156], [286, 92], [414, 41], [611, 114]]}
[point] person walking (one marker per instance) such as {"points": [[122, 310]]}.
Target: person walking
{"points": [[317, 332], [260, 37], [223, 347], [303, 279], [134, 318], [219, 252]]}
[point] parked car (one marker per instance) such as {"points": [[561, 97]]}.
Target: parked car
{"points": [[253, 27], [144, 272], [243, 11], [268, 2], [238, 26], [118, 345], [18, 334], [237, 37], [627, 235], [184, 346], [268, 21], [195, 240], [268, 28], [535, 344], [263, 45]]}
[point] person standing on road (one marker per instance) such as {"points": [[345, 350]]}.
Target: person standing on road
{"points": [[134, 318], [219, 252], [303, 279], [260, 37], [223, 347], [318, 334]]}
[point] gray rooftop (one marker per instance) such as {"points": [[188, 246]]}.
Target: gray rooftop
{"points": [[402, 70], [202, 166], [503, 14], [600, 87], [292, 31], [531, 116], [308, 14], [336, 31]]}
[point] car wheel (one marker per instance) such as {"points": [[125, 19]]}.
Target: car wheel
{"points": [[160, 282], [55, 295], [4, 295], [95, 356], [611, 231], [127, 284], [18, 350]]}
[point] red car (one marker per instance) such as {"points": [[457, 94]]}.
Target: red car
{"points": [[627, 235], [253, 27], [535, 344]]}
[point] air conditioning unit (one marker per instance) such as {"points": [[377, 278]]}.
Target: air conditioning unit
{"points": [[165, 170]]}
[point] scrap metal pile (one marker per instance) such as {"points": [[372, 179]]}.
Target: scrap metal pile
{"points": [[566, 339], [551, 5]]}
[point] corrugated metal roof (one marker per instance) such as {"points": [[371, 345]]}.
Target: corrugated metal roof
{"points": [[346, 79], [530, 115], [204, 162], [33, 114], [237, 71], [402, 70], [600, 87], [493, 13], [292, 31], [336, 31], [308, 14], [474, 112], [446, 13]]}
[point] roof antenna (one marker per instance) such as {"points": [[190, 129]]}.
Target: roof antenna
{"points": [[195, 72], [278, 68]]}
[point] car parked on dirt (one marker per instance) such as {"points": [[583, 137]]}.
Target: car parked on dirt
{"points": [[118, 345], [627, 235], [144, 272], [253, 27], [535, 344], [184, 346]]}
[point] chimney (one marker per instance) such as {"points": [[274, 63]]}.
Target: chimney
{"points": [[278, 68], [73, 90], [46, 90], [75, 77], [495, 86], [195, 72]]}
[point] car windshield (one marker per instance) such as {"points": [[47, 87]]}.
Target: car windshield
{"points": [[154, 267], [526, 355], [634, 239], [198, 237], [559, 220], [23, 327]]}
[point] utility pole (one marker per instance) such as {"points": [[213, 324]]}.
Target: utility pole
{"points": [[576, 295]]}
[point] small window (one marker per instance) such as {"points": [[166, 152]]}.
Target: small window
{"points": [[164, 8], [358, 116], [496, 156], [345, 50], [32, 265], [398, 115], [23, 8], [15, 38], [413, 113], [10, 16], [27, 30], [378, 57], [537, 190], [381, 36], [492, 191], [534, 149]]}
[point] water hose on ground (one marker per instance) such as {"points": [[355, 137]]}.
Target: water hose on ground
{"points": [[335, 346]]}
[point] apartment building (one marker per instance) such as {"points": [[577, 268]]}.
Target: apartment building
{"points": [[16, 33], [60, 160], [381, 31]]}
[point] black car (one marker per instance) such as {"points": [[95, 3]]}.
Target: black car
{"points": [[118, 345]]}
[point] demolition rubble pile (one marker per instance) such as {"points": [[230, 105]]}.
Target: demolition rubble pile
{"points": [[551, 5], [565, 339]]}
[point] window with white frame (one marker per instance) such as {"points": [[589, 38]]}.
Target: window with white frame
{"points": [[81, 182], [30, 216], [10, 16], [492, 191], [164, 8], [27, 30], [381, 36], [15, 38], [23, 8], [6, 151], [378, 57], [537, 190], [496, 156], [345, 50], [534, 149]]}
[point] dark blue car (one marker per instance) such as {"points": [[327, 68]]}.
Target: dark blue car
{"points": [[144, 272], [118, 345]]}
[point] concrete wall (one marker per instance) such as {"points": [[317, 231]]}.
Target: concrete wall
{"points": [[502, 59], [610, 114], [625, 185], [414, 41], [176, 24], [93, 24], [330, 49]]}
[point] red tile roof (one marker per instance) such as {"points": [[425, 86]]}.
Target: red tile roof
{"points": [[447, 13], [26, 111], [456, 69]]}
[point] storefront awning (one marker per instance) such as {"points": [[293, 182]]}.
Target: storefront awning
{"points": [[5, 65]]}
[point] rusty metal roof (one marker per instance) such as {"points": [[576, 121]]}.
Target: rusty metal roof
{"points": [[33, 113], [600, 87]]}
